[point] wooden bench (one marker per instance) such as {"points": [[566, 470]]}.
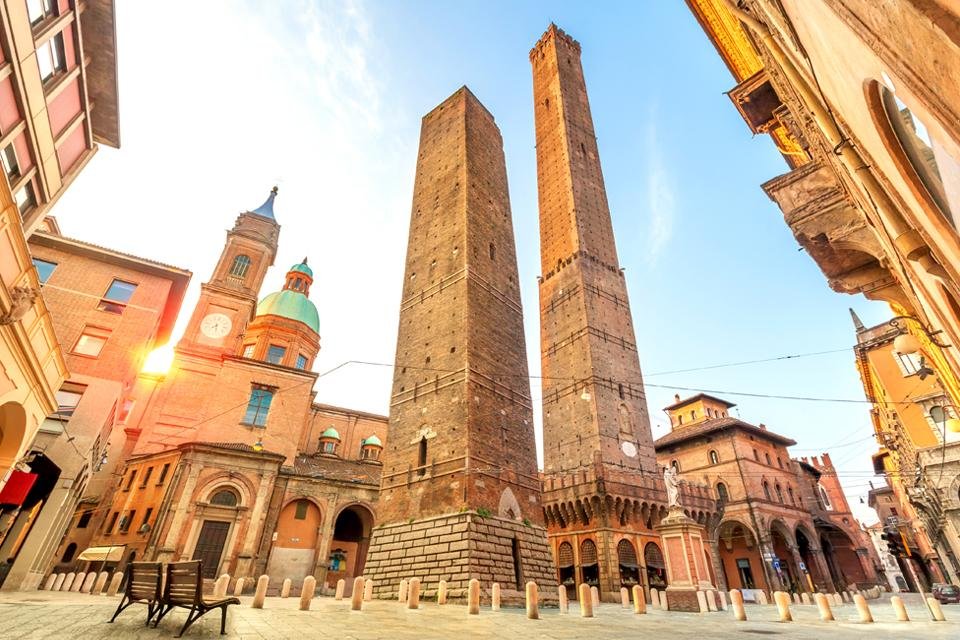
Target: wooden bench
{"points": [[184, 588], [142, 587]]}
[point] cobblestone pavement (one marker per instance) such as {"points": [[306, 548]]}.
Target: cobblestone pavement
{"points": [[35, 615]]}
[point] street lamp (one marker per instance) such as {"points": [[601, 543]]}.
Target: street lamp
{"points": [[940, 416], [907, 343], [258, 445]]}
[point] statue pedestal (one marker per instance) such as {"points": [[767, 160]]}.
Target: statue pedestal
{"points": [[686, 560]]}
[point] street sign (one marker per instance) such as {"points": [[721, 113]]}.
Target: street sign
{"points": [[776, 564], [803, 567]]}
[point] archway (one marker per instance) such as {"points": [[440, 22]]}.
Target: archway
{"points": [[841, 557], [814, 575], [567, 570], [740, 558], [783, 563], [629, 567], [298, 530], [589, 564], [656, 567], [348, 549]]}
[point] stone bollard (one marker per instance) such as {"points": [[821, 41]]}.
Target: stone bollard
{"points": [[736, 601], [862, 608], [58, 583], [846, 596], [473, 597], [702, 601], [284, 588], [936, 611], [586, 601], [654, 598], [562, 597], [261, 593], [783, 605], [68, 582], [221, 586], [624, 598], [115, 583], [711, 600], [78, 581], [306, 592], [837, 600], [49, 583], [804, 598], [341, 587], [402, 591], [495, 596], [533, 601], [899, 609], [238, 587], [762, 597], [595, 596], [87, 586], [101, 583], [639, 602], [413, 593], [368, 590], [823, 604], [795, 597], [356, 598], [723, 600], [442, 592]]}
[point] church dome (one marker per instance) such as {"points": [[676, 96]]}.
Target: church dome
{"points": [[373, 441], [292, 302], [331, 433]]}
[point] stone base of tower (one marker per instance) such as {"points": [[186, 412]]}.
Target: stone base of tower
{"points": [[457, 548], [686, 560]]}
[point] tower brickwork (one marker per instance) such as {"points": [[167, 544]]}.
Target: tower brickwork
{"points": [[460, 460], [593, 398]]}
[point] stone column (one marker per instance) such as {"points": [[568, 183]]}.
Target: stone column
{"points": [[823, 570], [718, 565], [802, 576]]}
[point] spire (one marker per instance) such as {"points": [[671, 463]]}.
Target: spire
{"points": [[266, 209], [856, 321]]}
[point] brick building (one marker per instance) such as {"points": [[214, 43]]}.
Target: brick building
{"points": [[225, 457], [460, 494], [603, 492], [109, 310], [783, 524], [57, 59]]}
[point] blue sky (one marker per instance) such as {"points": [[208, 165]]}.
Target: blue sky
{"points": [[325, 99]]}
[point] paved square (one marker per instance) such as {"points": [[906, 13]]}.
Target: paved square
{"points": [[32, 616]]}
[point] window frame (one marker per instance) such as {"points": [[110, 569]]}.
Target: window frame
{"points": [[239, 268], [13, 173], [51, 52], [271, 349], [302, 361], [28, 201], [260, 411], [92, 333], [116, 305]]}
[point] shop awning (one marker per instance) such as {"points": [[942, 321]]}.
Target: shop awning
{"points": [[18, 486], [103, 554]]}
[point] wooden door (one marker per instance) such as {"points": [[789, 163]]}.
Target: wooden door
{"points": [[209, 547]]}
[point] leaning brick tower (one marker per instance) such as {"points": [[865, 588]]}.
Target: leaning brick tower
{"points": [[460, 492]]}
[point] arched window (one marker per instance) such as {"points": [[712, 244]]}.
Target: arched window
{"points": [[68, 553], [793, 500], [722, 494], [767, 456], [422, 457], [225, 498], [766, 489], [240, 265], [714, 457], [675, 465], [825, 499], [756, 456], [779, 462], [779, 493]]}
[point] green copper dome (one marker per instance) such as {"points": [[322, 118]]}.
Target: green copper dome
{"points": [[331, 433], [290, 304], [373, 440], [302, 268]]}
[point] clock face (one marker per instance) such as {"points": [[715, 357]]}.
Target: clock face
{"points": [[216, 325], [629, 449]]}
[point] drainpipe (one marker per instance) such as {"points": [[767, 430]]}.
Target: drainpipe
{"points": [[906, 239]]}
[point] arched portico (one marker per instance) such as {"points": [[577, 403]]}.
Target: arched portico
{"points": [[740, 557], [351, 540]]}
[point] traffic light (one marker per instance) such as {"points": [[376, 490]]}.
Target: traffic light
{"points": [[894, 542]]}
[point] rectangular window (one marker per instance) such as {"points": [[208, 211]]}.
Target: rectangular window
{"points": [[258, 407], [146, 477], [91, 341], [301, 513], [67, 400], [44, 269], [127, 520], [50, 58], [146, 516], [26, 198], [275, 354], [11, 166], [248, 350], [301, 361], [84, 520], [111, 522], [117, 296], [37, 10], [130, 479], [163, 474]]}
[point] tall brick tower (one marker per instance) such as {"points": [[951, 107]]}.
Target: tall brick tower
{"points": [[593, 397], [603, 495], [460, 493]]}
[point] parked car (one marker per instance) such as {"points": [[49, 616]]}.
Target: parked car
{"points": [[946, 593]]}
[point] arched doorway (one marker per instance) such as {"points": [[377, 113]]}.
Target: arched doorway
{"points": [[629, 567], [813, 575], [656, 567], [566, 568], [841, 557], [740, 558], [589, 564], [784, 566], [298, 529], [348, 549]]}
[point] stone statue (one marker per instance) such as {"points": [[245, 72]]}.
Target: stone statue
{"points": [[21, 299], [673, 486]]}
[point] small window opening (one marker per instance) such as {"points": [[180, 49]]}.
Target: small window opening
{"points": [[422, 457], [517, 567]]}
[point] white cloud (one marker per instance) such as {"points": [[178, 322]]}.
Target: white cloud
{"points": [[661, 198]]}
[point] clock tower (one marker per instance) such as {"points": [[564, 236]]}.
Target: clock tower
{"points": [[229, 299]]}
